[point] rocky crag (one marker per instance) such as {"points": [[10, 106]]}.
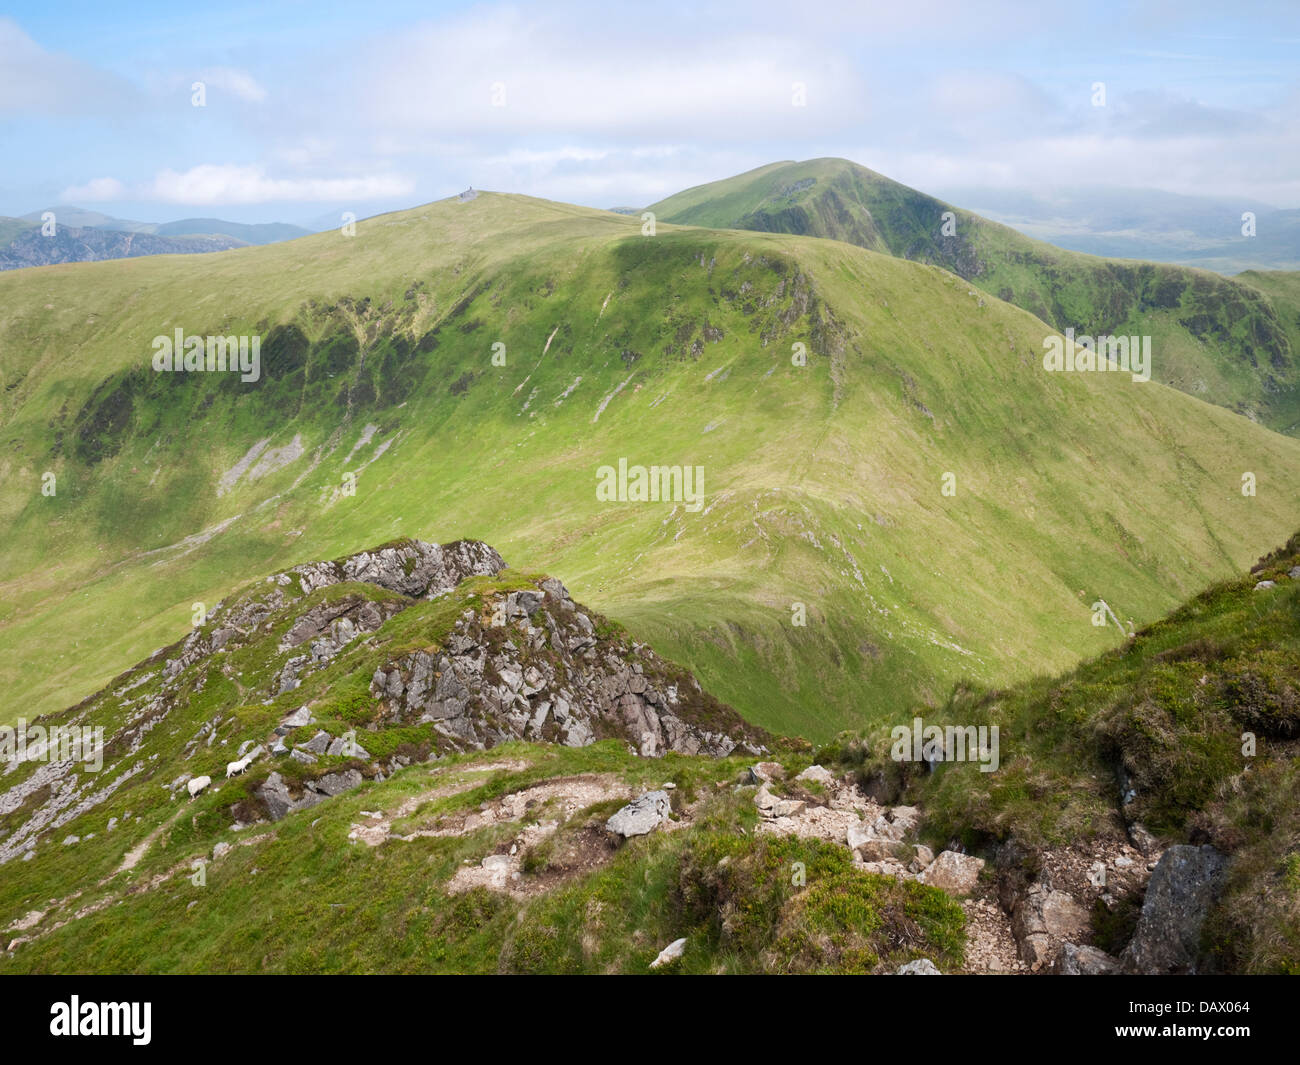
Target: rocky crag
{"points": [[332, 673]]}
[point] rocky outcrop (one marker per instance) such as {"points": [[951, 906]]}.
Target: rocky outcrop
{"points": [[1184, 886], [409, 567], [527, 663], [532, 664]]}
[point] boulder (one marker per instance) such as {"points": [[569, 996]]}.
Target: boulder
{"points": [[337, 783], [920, 967], [318, 744], [1042, 919], [301, 716], [1185, 884], [817, 774], [766, 772], [770, 805], [1077, 960], [955, 873], [275, 796], [641, 816]]}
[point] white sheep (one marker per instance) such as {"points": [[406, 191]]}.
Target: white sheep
{"points": [[197, 785], [233, 769]]}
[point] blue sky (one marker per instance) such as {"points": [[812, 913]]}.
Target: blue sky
{"points": [[312, 109]]}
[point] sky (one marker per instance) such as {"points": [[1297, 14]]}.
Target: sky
{"points": [[313, 109]]}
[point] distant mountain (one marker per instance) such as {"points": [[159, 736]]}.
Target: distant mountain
{"points": [[65, 215], [1143, 224], [1221, 339], [69, 244], [84, 236], [255, 233]]}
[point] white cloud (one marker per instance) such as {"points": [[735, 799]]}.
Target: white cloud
{"points": [[97, 190], [510, 72], [213, 183]]}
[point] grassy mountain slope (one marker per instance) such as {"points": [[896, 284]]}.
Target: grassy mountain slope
{"points": [[1219, 338], [1153, 733], [822, 482]]}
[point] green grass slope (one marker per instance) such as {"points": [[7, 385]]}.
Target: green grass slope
{"points": [[823, 483], [1192, 729], [1226, 340]]}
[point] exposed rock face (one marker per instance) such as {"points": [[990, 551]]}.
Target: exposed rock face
{"points": [[1185, 884], [532, 666], [412, 567]]}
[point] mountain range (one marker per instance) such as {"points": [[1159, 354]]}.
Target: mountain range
{"points": [[87, 236]]}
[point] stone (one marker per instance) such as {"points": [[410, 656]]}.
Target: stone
{"points": [[299, 755], [318, 744], [877, 849], [766, 772], [906, 818], [920, 967], [1265, 584], [275, 796], [818, 775], [1185, 884], [221, 848], [955, 873], [1142, 839], [641, 816], [1041, 919], [1077, 960], [337, 783], [670, 953], [301, 716]]}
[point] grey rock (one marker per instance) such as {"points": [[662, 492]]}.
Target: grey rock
{"points": [[337, 783], [818, 775], [955, 873], [920, 967], [318, 744], [1184, 886], [641, 816], [275, 796], [1077, 960], [301, 716]]}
